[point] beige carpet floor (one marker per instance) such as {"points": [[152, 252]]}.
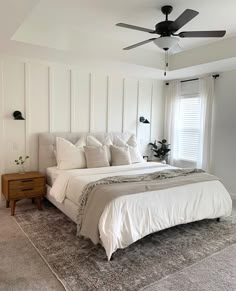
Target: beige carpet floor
{"points": [[21, 267]]}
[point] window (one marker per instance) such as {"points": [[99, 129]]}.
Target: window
{"points": [[188, 129]]}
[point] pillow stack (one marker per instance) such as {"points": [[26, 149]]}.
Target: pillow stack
{"points": [[91, 153]]}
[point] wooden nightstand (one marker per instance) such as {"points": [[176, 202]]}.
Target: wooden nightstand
{"points": [[22, 186]]}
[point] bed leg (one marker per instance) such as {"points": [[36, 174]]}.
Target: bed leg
{"points": [[218, 219]]}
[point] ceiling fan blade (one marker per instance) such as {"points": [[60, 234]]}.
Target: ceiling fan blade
{"points": [[135, 27], [138, 44], [183, 19], [216, 33]]}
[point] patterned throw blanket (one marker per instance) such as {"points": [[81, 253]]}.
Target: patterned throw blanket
{"points": [[96, 195]]}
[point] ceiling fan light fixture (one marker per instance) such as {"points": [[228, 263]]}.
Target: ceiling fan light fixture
{"points": [[166, 42]]}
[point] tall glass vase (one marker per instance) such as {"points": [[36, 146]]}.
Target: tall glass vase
{"points": [[21, 169]]}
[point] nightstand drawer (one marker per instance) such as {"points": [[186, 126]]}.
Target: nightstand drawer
{"points": [[26, 183], [27, 192]]}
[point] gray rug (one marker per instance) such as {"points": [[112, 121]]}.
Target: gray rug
{"points": [[82, 266]]}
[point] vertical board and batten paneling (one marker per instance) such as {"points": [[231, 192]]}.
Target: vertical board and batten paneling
{"points": [[130, 105], [61, 100], [80, 109], [99, 96], [57, 98], [2, 139], [14, 99], [144, 109], [157, 111], [115, 102], [38, 114]]}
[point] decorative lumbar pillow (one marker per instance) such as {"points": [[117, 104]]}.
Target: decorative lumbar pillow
{"points": [[93, 141], [96, 156], [135, 154], [120, 155], [69, 156]]}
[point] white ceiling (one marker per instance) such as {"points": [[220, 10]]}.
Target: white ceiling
{"points": [[72, 24], [87, 27]]}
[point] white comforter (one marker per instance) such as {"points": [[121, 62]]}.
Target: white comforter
{"points": [[131, 217]]}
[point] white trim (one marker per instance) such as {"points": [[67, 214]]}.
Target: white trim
{"points": [[90, 103], [2, 127], [151, 114], [108, 102], [123, 106], [51, 98], [27, 110]]}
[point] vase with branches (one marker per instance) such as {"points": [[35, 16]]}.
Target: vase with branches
{"points": [[20, 162], [161, 149]]}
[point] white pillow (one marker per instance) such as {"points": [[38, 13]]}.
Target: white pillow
{"points": [[93, 141], [135, 154], [69, 156]]}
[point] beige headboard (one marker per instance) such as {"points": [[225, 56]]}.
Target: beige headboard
{"points": [[47, 144]]}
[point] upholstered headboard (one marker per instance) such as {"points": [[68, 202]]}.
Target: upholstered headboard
{"points": [[47, 144]]}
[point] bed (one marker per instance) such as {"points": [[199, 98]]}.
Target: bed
{"points": [[129, 218]]}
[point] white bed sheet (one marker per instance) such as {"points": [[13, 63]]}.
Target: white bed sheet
{"points": [[131, 217]]}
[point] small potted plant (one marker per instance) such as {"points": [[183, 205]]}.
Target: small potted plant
{"points": [[21, 164], [161, 151]]}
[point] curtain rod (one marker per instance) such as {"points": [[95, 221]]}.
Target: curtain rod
{"points": [[195, 79]]}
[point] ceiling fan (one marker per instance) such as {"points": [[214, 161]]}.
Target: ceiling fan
{"points": [[167, 30]]}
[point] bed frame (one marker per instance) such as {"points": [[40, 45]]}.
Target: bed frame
{"points": [[47, 146]]}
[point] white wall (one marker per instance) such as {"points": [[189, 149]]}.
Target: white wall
{"points": [[224, 140], [60, 98]]}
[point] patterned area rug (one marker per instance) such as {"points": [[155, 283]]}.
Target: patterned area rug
{"points": [[82, 266]]}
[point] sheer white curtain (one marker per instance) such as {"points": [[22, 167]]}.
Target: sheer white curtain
{"points": [[172, 117], [207, 104]]}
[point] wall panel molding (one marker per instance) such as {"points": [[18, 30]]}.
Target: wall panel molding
{"points": [[51, 98], [27, 111], [55, 97]]}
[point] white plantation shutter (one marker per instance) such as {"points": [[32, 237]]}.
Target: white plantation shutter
{"points": [[188, 129]]}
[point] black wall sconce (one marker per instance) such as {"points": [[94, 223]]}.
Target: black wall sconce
{"points": [[144, 120], [18, 115]]}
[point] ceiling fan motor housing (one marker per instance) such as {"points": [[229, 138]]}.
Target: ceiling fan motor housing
{"points": [[164, 28]]}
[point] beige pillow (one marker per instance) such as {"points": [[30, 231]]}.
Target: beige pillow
{"points": [[135, 154], [93, 141], [120, 156], [96, 157]]}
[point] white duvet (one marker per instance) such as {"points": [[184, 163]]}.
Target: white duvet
{"points": [[129, 218]]}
